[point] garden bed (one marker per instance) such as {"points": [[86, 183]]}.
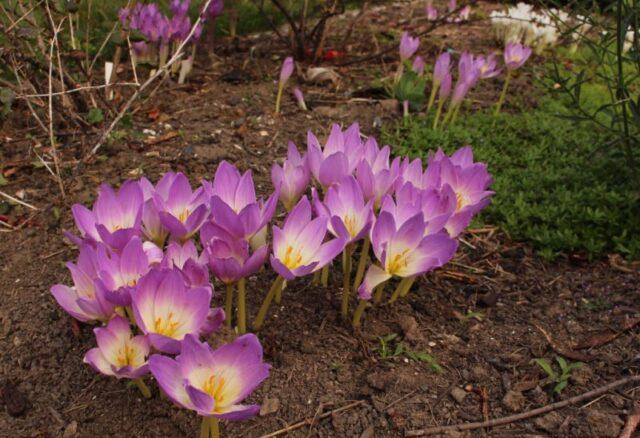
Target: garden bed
{"points": [[464, 340]]}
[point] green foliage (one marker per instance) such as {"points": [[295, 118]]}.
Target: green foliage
{"points": [[558, 185], [95, 116], [391, 346], [561, 380], [410, 87]]}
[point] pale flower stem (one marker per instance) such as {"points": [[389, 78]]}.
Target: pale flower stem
{"points": [[316, 278], [144, 389], [407, 287], [228, 305], [378, 292], [503, 94], [438, 113], [279, 97], [362, 263], [399, 288], [325, 276], [262, 313], [204, 428], [357, 315], [214, 427], [432, 97], [346, 288], [242, 312]]}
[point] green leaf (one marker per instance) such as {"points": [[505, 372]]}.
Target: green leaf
{"points": [[95, 116], [546, 367]]}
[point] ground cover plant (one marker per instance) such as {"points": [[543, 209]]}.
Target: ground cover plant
{"points": [[390, 220]]}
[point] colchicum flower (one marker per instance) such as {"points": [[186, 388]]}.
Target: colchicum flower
{"points": [[403, 251], [408, 46], [185, 258], [418, 65], [235, 207], [292, 179], [285, 73], [210, 382], [84, 301], [166, 310], [515, 55], [181, 210], [119, 273], [340, 156], [119, 353], [298, 247], [115, 217], [374, 174]]}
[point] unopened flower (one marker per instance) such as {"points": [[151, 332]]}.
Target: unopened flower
{"points": [[418, 65], [119, 353], [213, 382], [374, 174], [340, 156], [235, 206], [432, 13], [292, 178], [487, 66], [408, 46], [298, 247], [297, 93], [185, 258]]}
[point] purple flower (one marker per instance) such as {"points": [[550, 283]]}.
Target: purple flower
{"points": [[119, 272], [84, 301], [215, 9], [235, 207], [432, 13], [418, 65], [349, 216], [297, 93], [167, 310], [374, 174], [441, 68], [229, 257], [287, 70], [185, 258], [292, 179], [119, 353], [404, 251], [408, 46], [181, 210], [445, 88], [487, 66], [340, 156], [297, 246], [179, 7], [115, 217], [213, 382], [515, 55], [464, 13]]}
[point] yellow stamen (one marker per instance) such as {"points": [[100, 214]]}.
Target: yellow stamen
{"points": [[126, 356], [292, 259], [167, 327], [215, 388], [398, 262]]}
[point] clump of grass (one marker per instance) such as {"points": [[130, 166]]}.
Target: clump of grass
{"points": [[557, 183]]}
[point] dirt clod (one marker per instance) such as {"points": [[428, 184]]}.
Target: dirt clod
{"points": [[15, 401], [603, 424], [549, 422], [514, 401]]}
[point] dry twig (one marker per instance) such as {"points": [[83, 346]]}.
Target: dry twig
{"points": [[525, 415]]}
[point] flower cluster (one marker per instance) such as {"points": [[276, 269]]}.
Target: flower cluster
{"points": [[139, 266], [452, 6], [147, 253], [163, 33]]}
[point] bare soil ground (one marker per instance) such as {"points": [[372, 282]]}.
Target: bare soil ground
{"points": [[481, 318]]}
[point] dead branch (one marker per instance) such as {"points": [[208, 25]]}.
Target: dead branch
{"points": [[525, 415]]}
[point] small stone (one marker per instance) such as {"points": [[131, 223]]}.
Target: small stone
{"points": [[458, 394], [269, 406], [549, 423], [409, 327], [513, 401], [489, 299], [369, 432], [17, 341], [603, 424], [71, 430]]}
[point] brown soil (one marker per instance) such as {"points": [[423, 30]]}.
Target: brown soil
{"points": [[477, 318]]}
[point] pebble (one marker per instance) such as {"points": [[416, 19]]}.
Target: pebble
{"points": [[269, 406], [549, 423], [71, 430], [458, 394]]}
